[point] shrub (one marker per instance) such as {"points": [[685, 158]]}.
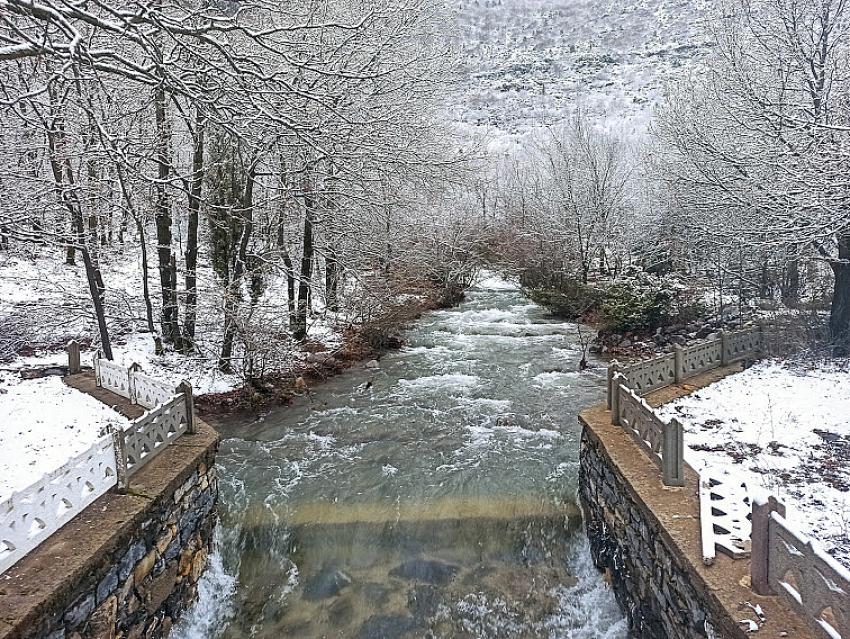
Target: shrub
{"points": [[571, 300], [643, 303]]}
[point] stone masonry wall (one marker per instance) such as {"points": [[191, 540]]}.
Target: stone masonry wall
{"points": [[146, 584], [128, 565], [652, 583]]}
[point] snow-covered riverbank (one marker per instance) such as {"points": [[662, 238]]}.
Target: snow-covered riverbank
{"points": [[783, 427]]}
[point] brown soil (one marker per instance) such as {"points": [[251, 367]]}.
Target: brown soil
{"points": [[361, 342]]}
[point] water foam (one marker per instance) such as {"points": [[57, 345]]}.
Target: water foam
{"points": [[588, 609]]}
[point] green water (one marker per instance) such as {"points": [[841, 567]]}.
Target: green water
{"points": [[432, 497]]}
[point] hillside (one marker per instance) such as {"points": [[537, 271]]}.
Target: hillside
{"points": [[530, 62]]}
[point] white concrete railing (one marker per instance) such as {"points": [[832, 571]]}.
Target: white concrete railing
{"points": [[171, 414], [151, 433], [784, 562], [688, 361], [662, 441], [790, 565], [31, 515]]}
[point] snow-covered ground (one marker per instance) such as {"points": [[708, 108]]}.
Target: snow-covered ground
{"points": [[785, 428], [44, 424], [44, 303]]}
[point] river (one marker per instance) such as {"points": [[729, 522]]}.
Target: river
{"points": [[432, 497]]}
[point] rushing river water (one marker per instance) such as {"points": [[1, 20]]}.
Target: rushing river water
{"points": [[433, 497]]}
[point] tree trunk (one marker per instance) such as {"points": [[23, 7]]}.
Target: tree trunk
{"points": [[195, 191], [331, 280], [231, 306], [290, 274], [839, 318], [65, 185], [70, 251], [167, 270], [764, 281], [299, 331], [140, 229], [791, 283]]}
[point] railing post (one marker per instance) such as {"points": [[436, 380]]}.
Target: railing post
{"points": [[725, 348], [673, 454], [613, 369], [616, 383], [762, 349], [760, 543], [120, 446], [96, 365], [679, 363], [185, 389], [73, 349], [131, 382]]}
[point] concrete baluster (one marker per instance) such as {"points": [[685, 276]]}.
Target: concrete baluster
{"points": [[618, 382], [613, 369], [120, 445], [763, 347], [673, 454], [73, 349], [185, 389], [96, 363], [725, 348], [679, 363], [131, 382], [760, 541]]}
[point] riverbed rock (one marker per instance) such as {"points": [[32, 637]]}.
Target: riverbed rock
{"points": [[423, 601], [377, 593], [327, 583], [426, 570], [372, 363], [341, 611], [387, 627]]}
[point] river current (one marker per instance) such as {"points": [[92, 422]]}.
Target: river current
{"points": [[434, 496]]}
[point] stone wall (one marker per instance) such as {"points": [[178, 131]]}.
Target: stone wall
{"points": [[128, 565], [652, 587], [646, 537]]}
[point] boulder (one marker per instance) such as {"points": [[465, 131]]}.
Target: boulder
{"points": [[327, 583], [425, 570]]}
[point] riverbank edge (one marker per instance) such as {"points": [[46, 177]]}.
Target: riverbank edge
{"points": [[280, 390], [128, 565], [646, 538]]}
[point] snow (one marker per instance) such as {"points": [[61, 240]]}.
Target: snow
{"points": [[172, 368], [529, 64], [784, 427], [44, 303], [45, 423]]}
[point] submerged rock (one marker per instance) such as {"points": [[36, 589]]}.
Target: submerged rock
{"points": [[387, 627], [341, 611], [373, 363], [377, 593], [328, 583], [428, 571], [423, 601]]}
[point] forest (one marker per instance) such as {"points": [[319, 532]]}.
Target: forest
{"points": [[242, 184]]}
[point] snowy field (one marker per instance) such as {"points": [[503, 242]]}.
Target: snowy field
{"points": [[785, 427], [44, 424]]}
